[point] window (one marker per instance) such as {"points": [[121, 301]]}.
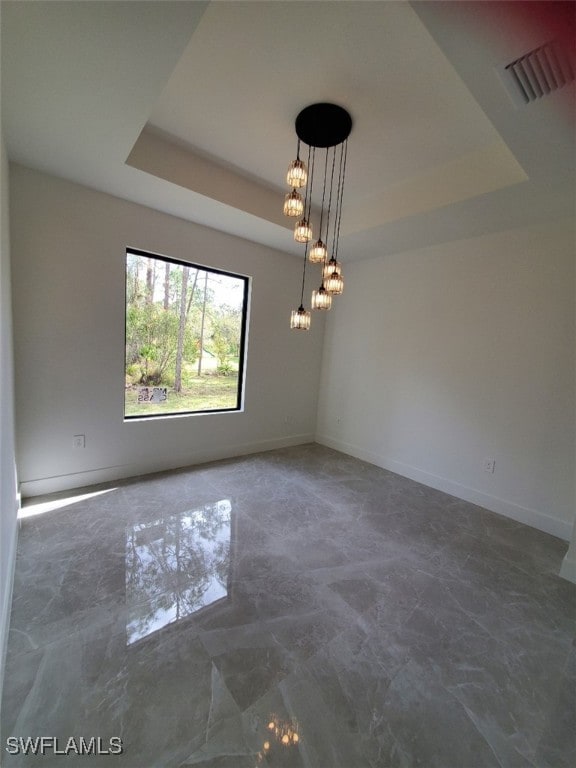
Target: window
{"points": [[185, 337]]}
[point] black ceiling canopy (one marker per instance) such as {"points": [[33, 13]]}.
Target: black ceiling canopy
{"points": [[323, 125]]}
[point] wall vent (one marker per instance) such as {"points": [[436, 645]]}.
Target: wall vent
{"points": [[537, 73]]}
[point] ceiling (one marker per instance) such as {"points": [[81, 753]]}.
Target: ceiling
{"points": [[189, 107]]}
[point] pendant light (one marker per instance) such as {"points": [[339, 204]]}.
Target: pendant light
{"points": [[297, 175], [321, 299], [331, 266], [334, 284], [320, 126], [293, 204], [300, 319], [303, 231]]}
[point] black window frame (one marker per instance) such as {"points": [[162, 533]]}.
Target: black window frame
{"points": [[243, 332]]}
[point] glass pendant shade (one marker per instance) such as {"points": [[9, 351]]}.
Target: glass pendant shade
{"points": [[303, 231], [334, 284], [300, 319], [331, 266], [318, 252], [297, 175], [293, 204], [321, 299]]}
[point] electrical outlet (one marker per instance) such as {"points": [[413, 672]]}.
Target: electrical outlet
{"points": [[79, 441], [489, 465]]}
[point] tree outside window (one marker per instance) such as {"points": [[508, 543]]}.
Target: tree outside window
{"points": [[185, 337]]}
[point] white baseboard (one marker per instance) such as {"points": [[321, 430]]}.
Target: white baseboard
{"points": [[568, 569], [533, 517], [65, 482], [6, 601]]}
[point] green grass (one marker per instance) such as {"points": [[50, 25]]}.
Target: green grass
{"points": [[203, 393]]}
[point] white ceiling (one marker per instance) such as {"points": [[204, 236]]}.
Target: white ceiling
{"points": [[189, 107]]}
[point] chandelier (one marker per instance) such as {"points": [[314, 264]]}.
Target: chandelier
{"points": [[321, 127]]}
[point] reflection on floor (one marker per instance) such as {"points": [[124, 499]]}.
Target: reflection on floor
{"points": [[292, 608], [175, 566]]}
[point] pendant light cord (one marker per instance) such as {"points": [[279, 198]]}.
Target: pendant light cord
{"points": [[330, 204], [307, 200], [323, 194], [309, 191], [338, 204], [345, 153]]}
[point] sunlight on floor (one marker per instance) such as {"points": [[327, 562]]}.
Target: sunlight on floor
{"points": [[31, 509]]}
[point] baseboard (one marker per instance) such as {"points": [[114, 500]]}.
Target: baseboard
{"points": [[65, 482], [568, 569], [6, 603], [532, 517]]}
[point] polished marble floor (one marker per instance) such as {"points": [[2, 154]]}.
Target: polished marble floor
{"points": [[292, 608]]}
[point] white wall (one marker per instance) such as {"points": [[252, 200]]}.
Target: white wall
{"points": [[68, 250], [437, 359], [8, 487], [568, 569]]}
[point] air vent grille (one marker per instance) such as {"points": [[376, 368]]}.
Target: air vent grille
{"points": [[539, 72]]}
